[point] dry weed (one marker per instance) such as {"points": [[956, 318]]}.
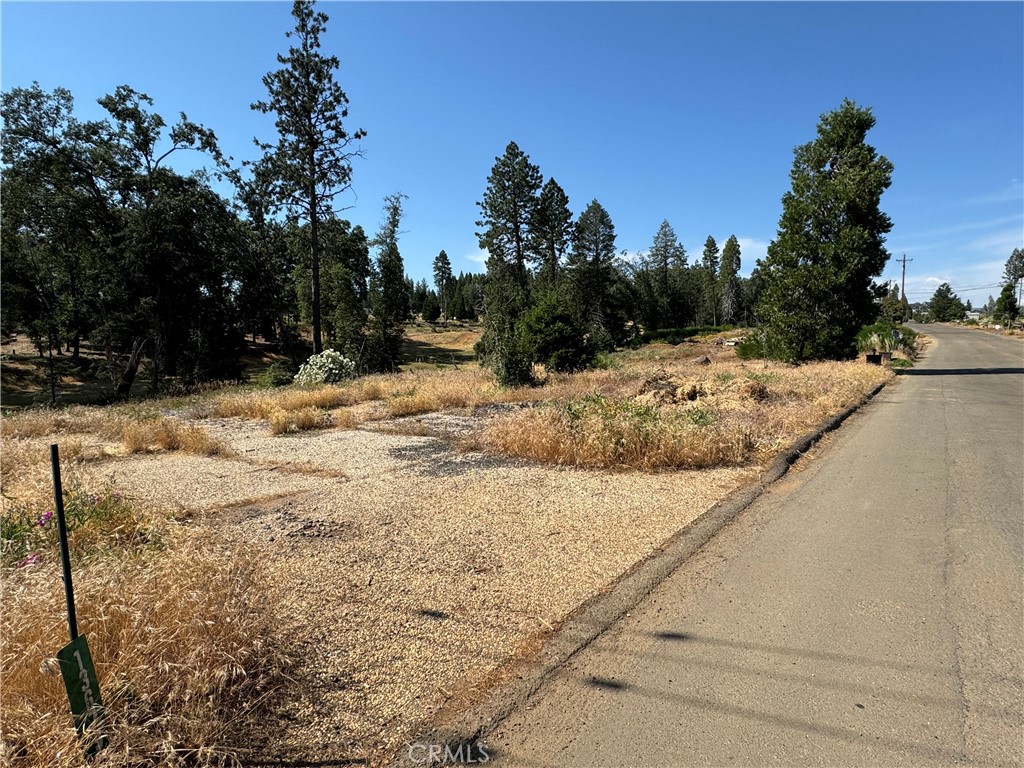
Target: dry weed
{"points": [[405, 394], [182, 645], [263, 404], [597, 432], [164, 434], [20, 457], [430, 392], [75, 420], [682, 415], [283, 422]]}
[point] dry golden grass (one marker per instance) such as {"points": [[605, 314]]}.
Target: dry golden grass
{"points": [[682, 415], [21, 456], [25, 453], [404, 394], [726, 413], [182, 647], [263, 404], [74, 420], [430, 391], [282, 422], [595, 432], [169, 435]]}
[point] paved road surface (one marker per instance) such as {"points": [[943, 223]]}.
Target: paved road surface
{"points": [[865, 611]]}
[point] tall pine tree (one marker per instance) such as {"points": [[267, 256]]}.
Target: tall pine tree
{"points": [[590, 271], [507, 212], [666, 261], [709, 282], [311, 162], [945, 306], [443, 281], [728, 280], [389, 293], [552, 233], [1014, 271]]}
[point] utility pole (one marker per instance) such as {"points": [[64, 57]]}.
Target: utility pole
{"points": [[903, 282], [903, 285]]}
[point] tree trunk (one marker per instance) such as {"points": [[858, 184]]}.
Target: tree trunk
{"points": [[156, 359], [124, 387], [52, 374], [314, 257]]}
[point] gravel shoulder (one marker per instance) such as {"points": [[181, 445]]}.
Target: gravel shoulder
{"points": [[407, 571]]}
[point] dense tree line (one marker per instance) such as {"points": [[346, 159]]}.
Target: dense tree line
{"points": [[558, 292], [103, 241]]}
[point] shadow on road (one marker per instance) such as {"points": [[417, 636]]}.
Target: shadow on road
{"points": [[684, 699], [957, 371]]}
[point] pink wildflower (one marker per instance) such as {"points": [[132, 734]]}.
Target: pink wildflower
{"points": [[32, 559], [46, 517]]}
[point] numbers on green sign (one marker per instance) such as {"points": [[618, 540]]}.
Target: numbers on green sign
{"points": [[83, 693], [83, 675]]}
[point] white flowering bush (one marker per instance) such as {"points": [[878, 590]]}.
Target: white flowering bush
{"points": [[329, 367]]}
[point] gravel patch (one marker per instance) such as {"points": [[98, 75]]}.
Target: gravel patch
{"points": [[411, 571], [196, 483]]}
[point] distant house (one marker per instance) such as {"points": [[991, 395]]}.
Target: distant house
{"points": [[973, 316]]}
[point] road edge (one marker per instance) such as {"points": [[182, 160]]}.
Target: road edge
{"points": [[464, 730]]}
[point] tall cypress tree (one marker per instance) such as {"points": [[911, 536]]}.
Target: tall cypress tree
{"points": [[311, 162], [818, 275]]}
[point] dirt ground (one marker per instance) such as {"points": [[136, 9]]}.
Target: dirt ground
{"points": [[405, 570]]}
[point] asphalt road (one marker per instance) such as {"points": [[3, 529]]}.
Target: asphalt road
{"points": [[866, 611]]}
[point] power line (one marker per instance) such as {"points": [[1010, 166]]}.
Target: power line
{"points": [[929, 291]]}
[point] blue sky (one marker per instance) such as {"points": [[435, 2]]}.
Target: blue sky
{"points": [[682, 111]]}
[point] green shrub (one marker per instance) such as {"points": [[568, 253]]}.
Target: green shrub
{"points": [[700, 417], [760, 345], [276, 375], [605, 362], [554, 337], [95, 522]]}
